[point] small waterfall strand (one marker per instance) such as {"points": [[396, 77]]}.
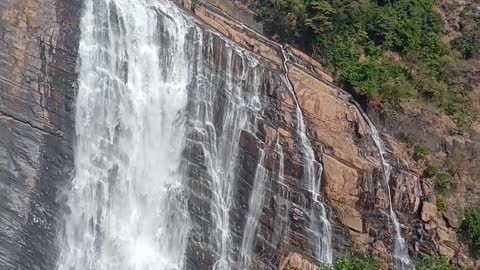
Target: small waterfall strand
{"points": [[319, 225]]}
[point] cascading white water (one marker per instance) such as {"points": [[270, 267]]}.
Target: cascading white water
{"points": [[319, 224], [400, 252], [281, 199], [219, 141], [254, 209], [127, 202]]}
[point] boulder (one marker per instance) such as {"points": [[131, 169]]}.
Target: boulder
{"points": [[429, 211], [452, 218]]}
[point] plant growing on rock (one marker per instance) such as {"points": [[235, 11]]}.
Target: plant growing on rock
{"points": [[441, 203], [420, 151], [443, 181], [471, 226], [433, 262], [351, 262], [430, 171]]}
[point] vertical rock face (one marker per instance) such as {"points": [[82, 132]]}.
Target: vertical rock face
{"points": [[38, 41], [241, 115]]}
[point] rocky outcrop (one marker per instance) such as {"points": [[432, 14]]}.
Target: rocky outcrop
{"points": [[38, 41]]}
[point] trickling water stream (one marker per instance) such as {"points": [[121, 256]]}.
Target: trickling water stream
{"points": [[280, 228], [254, 209], [319, 224], [400, 252]]}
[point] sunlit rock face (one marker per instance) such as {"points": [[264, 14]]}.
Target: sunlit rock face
{"points": [[144, 135]]}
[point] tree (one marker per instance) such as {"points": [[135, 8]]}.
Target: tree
{"points": [[322, 13]]}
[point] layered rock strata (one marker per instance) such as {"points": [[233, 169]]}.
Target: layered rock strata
{"points": [[38, 53]]}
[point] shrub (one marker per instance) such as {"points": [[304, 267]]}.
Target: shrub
{"points": [[433, 262], [430, 171], [441, 204], [468, 44], [451, 108], [420, 151], [365, 262], [443, 181], [471, 225]]}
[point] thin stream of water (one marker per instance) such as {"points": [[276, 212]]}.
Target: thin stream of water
{"points": [[319, 224]]}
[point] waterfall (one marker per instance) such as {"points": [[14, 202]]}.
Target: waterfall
{"points": [[149, 82], [219, 132], [319, 224], [127, 199], [281, 203], [400, 252], [162, 106], [254, 209]]}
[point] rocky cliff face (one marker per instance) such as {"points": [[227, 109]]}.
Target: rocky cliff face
{"points": [[38, 47], [352, 178], [38, 81]]}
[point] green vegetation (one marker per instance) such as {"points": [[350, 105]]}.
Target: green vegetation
{"points": [[434, 262], [366, 262], [441, 203], [469, 43], [443, 181], [420, 151], [471, 226], [430, 171], [350, 262], [369, 262], [383, 51]]}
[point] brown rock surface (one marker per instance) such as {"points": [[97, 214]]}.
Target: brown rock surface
{"points": [[429, 212], [38, 46]]}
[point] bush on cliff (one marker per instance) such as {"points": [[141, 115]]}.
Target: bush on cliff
{"points": [[471, 226], [351, 262], [468, 44], [365, 262], [433, 262]]}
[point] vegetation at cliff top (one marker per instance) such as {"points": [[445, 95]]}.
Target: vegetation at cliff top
{"points": [[383, 51]]}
